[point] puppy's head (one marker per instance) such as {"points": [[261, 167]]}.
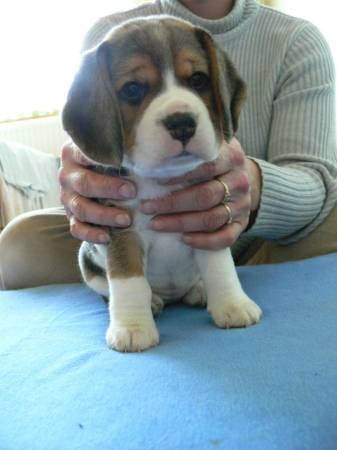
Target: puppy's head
{"points": [[156, 95]]}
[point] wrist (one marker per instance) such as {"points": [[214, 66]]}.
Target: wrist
{"points": [[255, 181]]}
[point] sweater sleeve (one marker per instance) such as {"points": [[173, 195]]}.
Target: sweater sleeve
{"points": [[299, 177]]}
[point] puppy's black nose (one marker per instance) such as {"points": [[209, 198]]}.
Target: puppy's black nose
{"points": [[181, 126]]}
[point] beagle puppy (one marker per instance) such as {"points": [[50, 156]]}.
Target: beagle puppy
{"points": [[156, 99]]}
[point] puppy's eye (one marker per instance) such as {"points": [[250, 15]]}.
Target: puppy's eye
{"points": [[198, 81], [133, 92]]}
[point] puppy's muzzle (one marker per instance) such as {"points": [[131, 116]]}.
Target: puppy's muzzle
{"points": [[181, 126]]}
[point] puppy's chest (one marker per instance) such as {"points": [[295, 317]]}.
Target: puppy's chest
{"points": [[169, 264]]}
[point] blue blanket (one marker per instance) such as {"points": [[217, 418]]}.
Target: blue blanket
{"points": [[271, 386]]}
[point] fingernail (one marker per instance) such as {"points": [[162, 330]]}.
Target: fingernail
{"points": [[127, 191], [148, 208], [157, 225], [123, 220]]}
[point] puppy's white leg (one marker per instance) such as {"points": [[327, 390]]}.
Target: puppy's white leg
{"points": [[132, 327], [227, 303]]}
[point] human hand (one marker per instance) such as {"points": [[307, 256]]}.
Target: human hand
{"points": [[197, 211], [79, 184]]}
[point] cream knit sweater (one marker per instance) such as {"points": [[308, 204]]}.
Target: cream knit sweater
{"points": [[288, 124]]}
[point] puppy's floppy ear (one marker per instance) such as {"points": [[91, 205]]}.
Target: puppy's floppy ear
{"points": [[228, 89], [91, 114]]}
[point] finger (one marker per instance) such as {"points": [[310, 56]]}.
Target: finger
{"points": [[85, 210], [70, 152], [90, 184], [210, 220], [237, 182], [230, 156], [195, 198], [89, 233], [217, 240], [199, 197]]}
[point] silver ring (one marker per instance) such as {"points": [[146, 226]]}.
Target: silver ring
{"points": [[229, 212]]}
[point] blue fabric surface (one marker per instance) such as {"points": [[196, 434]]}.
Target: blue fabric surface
{"points": [[271, 386]]}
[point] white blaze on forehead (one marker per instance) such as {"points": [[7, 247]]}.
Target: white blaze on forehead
{"points": [[169, 79], [155, 152], [176, 98]]}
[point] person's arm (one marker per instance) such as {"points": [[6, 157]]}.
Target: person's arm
{"points": [[299, 179]]}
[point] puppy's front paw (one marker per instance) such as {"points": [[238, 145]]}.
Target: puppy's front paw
{"points": [[132, 338], [241, 312]]}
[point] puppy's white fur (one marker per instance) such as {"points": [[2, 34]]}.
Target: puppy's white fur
{"points": [[132, 325]]}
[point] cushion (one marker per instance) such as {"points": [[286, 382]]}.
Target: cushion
{"points": [[270, 386], [28, 180]]}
